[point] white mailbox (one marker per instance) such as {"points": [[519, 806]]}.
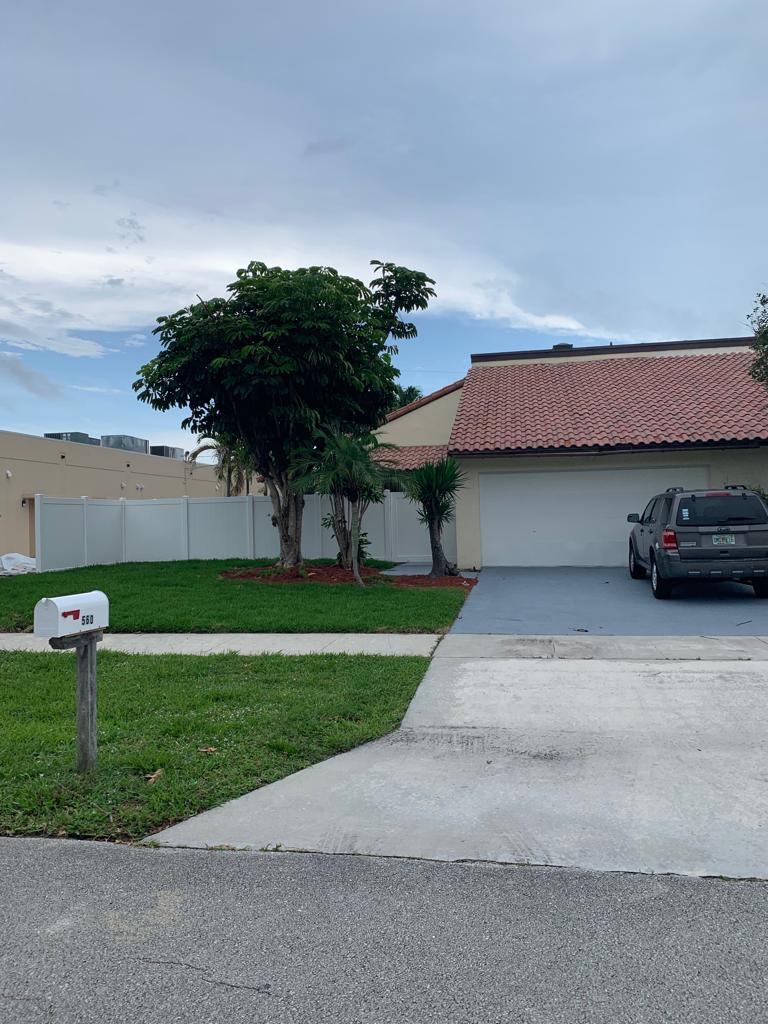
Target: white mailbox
{"points": [[71, 615]]}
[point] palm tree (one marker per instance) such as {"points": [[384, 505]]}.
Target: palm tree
{"points": [[352, 471], [433, 488], [232, 463]]}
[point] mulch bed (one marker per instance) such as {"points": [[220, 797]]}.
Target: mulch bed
{"points": [[335, 574]]}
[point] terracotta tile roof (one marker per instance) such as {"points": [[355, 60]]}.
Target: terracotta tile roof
{"points": [[425, 400], [610, 403], [413, 455]]}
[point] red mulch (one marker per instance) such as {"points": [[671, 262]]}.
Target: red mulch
{"points": [[335, 574]]}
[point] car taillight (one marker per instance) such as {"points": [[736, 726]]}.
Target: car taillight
{"points": [[669, 540]]}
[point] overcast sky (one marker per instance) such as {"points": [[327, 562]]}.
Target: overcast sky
{"points": [[590, 170]]}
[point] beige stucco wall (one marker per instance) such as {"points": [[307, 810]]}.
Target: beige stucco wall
{"points": [[735, 466], [37, 465], [429, 424]]}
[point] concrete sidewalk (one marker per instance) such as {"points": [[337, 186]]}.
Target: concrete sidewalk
{"points": [[246, 643]]}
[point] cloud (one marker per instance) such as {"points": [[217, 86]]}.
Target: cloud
{"points": [[95, 389], [536, 160], [327, 146], [33, 381], [114, 282], [135, 341], [132, 231], [35, 336]]}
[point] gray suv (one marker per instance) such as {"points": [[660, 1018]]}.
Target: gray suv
{"points": [[712, 535]]}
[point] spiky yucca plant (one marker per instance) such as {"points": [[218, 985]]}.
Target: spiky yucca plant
{"points": [[433, 488]]}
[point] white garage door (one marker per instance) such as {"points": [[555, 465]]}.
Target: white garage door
{"points": [[577, 517]]}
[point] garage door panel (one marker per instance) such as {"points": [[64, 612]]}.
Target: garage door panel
{"points": [[574, 517]]}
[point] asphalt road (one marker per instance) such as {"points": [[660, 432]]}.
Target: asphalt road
{"points": [[93, 932]]}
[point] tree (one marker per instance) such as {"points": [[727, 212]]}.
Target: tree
{"points": [[433, 488], [232, 463], [287, 353], [404, 396], [353, 472], [759, 322]]}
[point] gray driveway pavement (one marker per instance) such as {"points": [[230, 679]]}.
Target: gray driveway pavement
{"points": [[605, 602], [95, 933]]}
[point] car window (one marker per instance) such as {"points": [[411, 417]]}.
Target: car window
{"points": [[647, 513], [662, 513], [723, 509]]}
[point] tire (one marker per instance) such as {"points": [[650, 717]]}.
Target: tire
{"points": [[661, 588], [760, 587], [636, 571]]}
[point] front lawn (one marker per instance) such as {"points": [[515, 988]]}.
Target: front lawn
{"points": [[179, 734], [189, 597]]}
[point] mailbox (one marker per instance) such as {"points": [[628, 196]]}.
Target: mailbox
{"points": [[71, 615]]}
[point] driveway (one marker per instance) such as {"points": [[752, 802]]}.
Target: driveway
{"points": [[619, 765], [606, 602]]}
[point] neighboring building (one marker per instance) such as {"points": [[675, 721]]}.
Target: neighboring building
{"points": [[68, 469], [559, 445]]}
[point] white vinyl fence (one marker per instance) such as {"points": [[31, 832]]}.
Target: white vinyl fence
{"points": [[70, 532]]}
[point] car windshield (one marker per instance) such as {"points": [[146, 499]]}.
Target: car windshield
{"points": [[737, 509]]}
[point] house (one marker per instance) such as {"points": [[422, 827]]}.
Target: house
{"points": [[559, 445]]}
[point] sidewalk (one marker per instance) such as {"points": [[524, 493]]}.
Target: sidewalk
{"points": [[246, 643]]}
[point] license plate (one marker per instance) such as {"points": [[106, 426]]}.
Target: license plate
{"points": [[723, 538]]}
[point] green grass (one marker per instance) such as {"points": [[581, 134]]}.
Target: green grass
{"points": [[266, 716], [189, 597]]}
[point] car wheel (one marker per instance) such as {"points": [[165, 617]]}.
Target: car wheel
{"points": [[660, 587], [636, 571], [761, 588]]}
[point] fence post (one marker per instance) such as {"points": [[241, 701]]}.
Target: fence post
{"points": [[39, 532], [250, 536], [122, 529], [389, 532], [185, 527], [84, 500]]}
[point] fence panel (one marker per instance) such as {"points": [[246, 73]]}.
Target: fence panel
{"points": [[219, 530], [155, 530], [265, 539], [60, 531], [104, 529]]}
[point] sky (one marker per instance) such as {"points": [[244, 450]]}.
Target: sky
{"points": [[586, 172]]}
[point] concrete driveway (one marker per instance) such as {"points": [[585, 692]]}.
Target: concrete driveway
{"points": [[564, 601], [627, 764]]}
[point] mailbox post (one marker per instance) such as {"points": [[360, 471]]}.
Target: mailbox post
{"points": [[76, 621]]}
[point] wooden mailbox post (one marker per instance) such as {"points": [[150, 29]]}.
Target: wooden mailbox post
{"points": [[77, 621]]}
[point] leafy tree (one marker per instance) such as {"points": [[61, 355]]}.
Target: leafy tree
{"points": [[404, 396], [433, 488], [233, 465], [353, 472], [759, 323], [287, 353]]}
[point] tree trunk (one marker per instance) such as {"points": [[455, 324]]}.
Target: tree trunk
{"points": [[440, 564], [287, 512], [355, 539], [341, 530], [229, 480]]}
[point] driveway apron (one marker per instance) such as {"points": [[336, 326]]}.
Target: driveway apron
{"points": [[623, 765]]}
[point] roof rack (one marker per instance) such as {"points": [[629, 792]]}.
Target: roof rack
{"points": [[736, 487], [674, 490]]}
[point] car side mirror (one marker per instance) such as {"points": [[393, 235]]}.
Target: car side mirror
{"points": [[633, 517]]}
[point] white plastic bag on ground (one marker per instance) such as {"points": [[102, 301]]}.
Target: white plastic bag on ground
{"points": [[14, 564]]}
